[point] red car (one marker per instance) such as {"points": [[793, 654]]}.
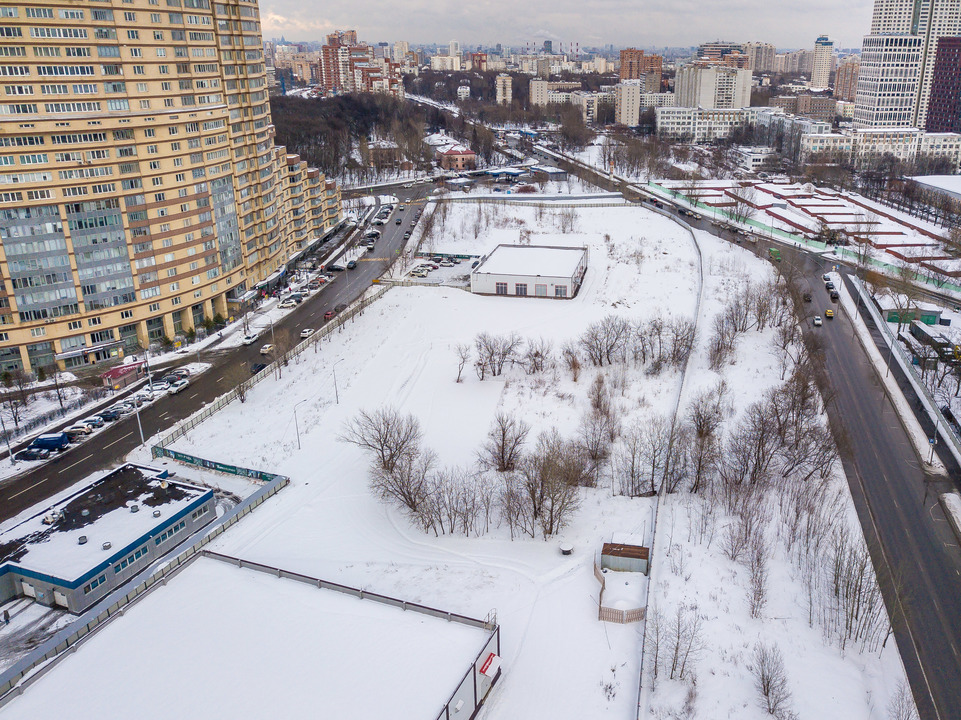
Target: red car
{"points": [[328, 315]]}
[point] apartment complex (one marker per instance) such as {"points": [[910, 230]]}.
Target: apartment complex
{"points": [[819, 107], [823, 62], [630, 100], [863, 146], [944, 109], [916, 26], [141, 191], [545, 92], [346, 65], [712, 86], [760, 56], [635, 65], [846, 79]]}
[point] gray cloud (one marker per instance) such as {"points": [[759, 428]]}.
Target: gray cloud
{"points": [[621, 22]]}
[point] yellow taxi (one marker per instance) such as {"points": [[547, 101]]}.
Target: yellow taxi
{"points": [[829, 314]]}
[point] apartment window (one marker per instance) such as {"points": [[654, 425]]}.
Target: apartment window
{"points": [[38, 332], [149, 132], [126, 314], [138, 70], [130, 17], [144, 104], [136, 52], [133, 35], [560, 291], [155, 165], [154, 307], [93, 322], [500, 288], [174, 287]]}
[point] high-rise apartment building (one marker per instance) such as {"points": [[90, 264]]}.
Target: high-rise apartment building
{"points": [[712, 85], [453, 48], [717, 49], [627, 102], [760, 56], [846, 78], [822, 63], [399, 51], [925, 22], [944, 108], [635, 65], [504, 89], [356, 67], [141, 192]]}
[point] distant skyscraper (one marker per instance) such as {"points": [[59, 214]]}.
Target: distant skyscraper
{"points": [[453, 48], [846, 79], [944, 108], [823, 56], [635, 65], [916, 25], [504, 89], [761, 56], [549, 46]]}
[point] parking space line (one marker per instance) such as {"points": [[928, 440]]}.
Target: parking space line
{"points": [[117, 440]]}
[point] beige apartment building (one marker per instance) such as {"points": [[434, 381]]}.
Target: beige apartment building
{"points": [[140, 188]]}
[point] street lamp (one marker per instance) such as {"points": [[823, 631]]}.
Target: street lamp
{"points": [[296, 426], [334, 370], [7, 438]]}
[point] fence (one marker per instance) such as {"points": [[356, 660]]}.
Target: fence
{"points": [[27, 426], [27, 670], [907, 366], [194, 420], [615, 615]]}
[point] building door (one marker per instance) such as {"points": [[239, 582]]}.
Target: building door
{"points": [[28, 589]]}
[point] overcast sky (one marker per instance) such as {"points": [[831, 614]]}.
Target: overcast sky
{"points": [[589, 23]]}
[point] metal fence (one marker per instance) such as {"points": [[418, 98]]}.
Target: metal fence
{"points": [[32, 667], [337, 322], [27, 426]]}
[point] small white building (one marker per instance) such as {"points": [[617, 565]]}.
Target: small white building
{"points": [[531, 271]]}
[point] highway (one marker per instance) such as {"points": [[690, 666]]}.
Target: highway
{"points": [[114, 441]]}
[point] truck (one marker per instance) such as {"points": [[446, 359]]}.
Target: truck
{"points": [[51, 441]]}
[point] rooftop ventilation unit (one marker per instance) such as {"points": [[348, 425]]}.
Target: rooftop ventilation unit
{"points": [[134, 508], [107, 545], [82, 540]]}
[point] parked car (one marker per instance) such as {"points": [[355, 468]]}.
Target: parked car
{"points": [[110, 414], [124, 408], [51, 441], [807, 297], [75, 435], [407, 235], [181, 372], [336, 268], [352, 264], [418, 273], [372, 234], [378, 221], [835, 296], [446, 263], [32, 453], [826, 277], [829, 285], [287, 303], [257, 367], [169, 379], [306, 332], [267, 349], [178, 386], [94, 421], [80, 427], [157, 387], [329, 314], [475, 263], [817, 321], [408, 186], [340, 308], [249, 339]]}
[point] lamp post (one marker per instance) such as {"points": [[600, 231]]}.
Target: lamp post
{"points": [[6, 437], [296, 426], [139, 426], [334, 370]]}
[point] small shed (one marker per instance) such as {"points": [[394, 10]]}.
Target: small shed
{"points": [[905, 311], [625, 558], [531, 271], [546, 172], [122, 375]]}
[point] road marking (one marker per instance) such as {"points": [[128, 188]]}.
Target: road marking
{"points": [[63, 470], [192, 396], [220, 379], [29, 488], [370, 259], [163, 415], [116, 441]]}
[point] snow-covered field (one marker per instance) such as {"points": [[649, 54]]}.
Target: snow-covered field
{"points": [[559, 660]]}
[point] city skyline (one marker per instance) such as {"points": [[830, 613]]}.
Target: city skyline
{"points": [[679, 24]]}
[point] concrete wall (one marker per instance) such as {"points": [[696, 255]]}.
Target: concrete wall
{"points": [[486, 284]]}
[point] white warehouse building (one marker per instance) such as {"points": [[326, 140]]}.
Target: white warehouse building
{"points": [[531, 271]]}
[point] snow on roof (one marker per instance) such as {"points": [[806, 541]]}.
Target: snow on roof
{"points": [[948, 183], [53, 548], [457, 150], [532, 260], [886, 301], [312, 652]]}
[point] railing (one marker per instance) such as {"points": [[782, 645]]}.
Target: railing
{"points": [[27, 670], [616, 615], [337, 322]]}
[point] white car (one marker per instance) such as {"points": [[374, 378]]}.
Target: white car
{"points": [[817, 321], [177, 386], [306, 332], [446, 263], [288, 303], [408, 186], [250, 339], [267, 349], [157, 387]]}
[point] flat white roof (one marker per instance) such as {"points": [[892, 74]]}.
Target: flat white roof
{"points": [[532, 260], [54, 548], [238, 644]]}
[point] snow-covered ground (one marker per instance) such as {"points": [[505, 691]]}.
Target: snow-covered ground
{"points": [[559, 660]]}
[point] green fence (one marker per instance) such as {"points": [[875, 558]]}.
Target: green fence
{"points": [[158, 451]]}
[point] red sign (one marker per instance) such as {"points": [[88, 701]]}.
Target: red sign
{"points": [[491, 665]]}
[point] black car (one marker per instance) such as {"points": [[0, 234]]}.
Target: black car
{"points": [[834, 295], [352, 264], [32, 454], [340, 308], [336, 268], [398, 221], [807, 297], [829, 286], [110, 415], [257, 367]]}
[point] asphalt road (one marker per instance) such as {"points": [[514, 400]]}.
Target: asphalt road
{"points": [[113, 442]]}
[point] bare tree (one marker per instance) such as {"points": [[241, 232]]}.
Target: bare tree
{"points": [[407, 483], [239, 377], [538, 355], [505, 441], [770, 680], [684, 640], [496, 351], [53, 372], [387, 434], [629, 464], [463, 351], [549, 477], [656, 439], [606, 340], [571, 360], [757, 565], [902, 705]]}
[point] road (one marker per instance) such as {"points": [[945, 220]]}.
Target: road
{"points": [[116, 440]]}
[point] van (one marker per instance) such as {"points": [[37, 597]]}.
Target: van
{"points": [[51, 441]]}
